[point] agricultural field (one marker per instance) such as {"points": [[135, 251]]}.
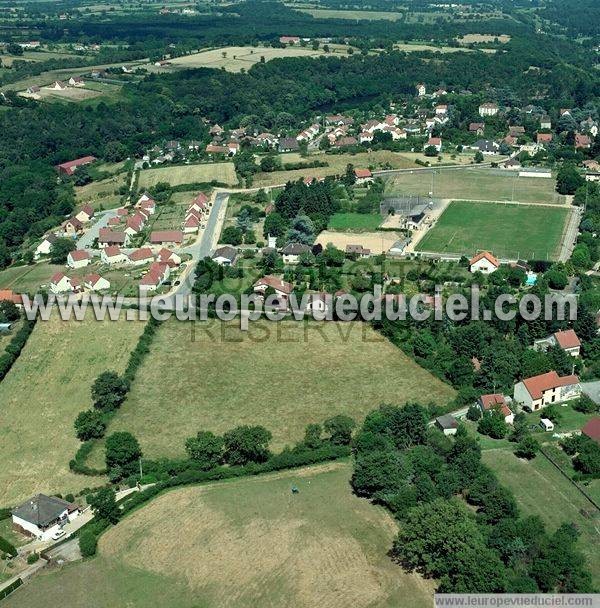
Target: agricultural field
{"points": [[415, 48], [377, 242], [323, 13], [189, 174], [261, 546], [219, 377], [337, 163], [475, 184], [43, 393], [8, 60], [483, 38], [355, 222], [74, 94], [541, 490], [102, 194], [236, 58], [509, 231]]}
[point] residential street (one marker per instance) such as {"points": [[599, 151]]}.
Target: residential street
{"points": [[86, 240]]}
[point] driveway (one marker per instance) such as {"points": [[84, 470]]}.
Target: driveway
{"points": [[87, 240]]}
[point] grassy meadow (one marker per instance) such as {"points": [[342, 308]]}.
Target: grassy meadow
{"points": [[260, 545], [541, 490], [511, 231], [41, 396], [189, 174], [213, 376], [355, 222], [475, 184], [336, 165]]}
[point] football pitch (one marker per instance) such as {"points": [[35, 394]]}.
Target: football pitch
{"points": [[508, 230]]}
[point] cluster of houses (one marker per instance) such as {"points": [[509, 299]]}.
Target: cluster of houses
{"points": [[57, 85], [530, 394], [60, 283], [196, 214]]}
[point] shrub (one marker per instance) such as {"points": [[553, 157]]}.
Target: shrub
{"points": [[88, 543], [90, 424], [32, 558], [6, 547]]}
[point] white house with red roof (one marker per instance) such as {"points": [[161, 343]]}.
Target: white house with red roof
{"points": [[484, 262], [542, 390], [166, 237], [282, 289], [60, 283], [191, 225], [363, 176], [86, 214], [134, 224], [434, 142], [496, 401], [70, 167], [157, 274], [72, 227], [94, 282], [566, 339], [166, 256], [142, 256], [113, 255], [78, 258], [108, 237]]}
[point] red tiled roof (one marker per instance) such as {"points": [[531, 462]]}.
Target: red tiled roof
{"points": [[360, 173], [11, 296], [112, 251], [537, 385], [111, 236], [567, 339], [71, 165], [144, 253], [56, 277], [166, 236], [92, 279], [495, 401], [275, 283], [79, 254], [487, 255], [435, 141], [592, 429]]}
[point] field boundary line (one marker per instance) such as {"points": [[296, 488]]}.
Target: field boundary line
{"points": [[573, 482]]}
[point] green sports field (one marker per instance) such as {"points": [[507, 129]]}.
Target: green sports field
{"points": [[355, 222], [507, 230]]}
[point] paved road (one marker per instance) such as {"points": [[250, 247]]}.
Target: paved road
{"points": [[87, 240]]}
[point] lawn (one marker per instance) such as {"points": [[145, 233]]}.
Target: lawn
{"points": [[336, 165], [43, 393], [102, 194], [250, 542], [541, 490], [509, 231], [355, 222], [189, 174], [236, 58], [213, 376], [474, 184]]}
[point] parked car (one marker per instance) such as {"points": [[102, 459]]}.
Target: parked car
{"points": [[58, 534]]}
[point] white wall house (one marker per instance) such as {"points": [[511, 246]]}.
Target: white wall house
{"points": [[488, 109], [42, 516], [484, 262], [78, 258], [44, 247], [539, 391]]}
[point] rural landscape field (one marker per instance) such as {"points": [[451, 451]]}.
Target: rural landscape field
{"points": [[48, 386], [260, 543], [476, 184], [282, 288], [234, 377]]}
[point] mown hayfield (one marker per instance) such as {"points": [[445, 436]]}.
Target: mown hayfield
{"points": [[189, 174], [475, 184], [43, 393], [103, 193], [541, 490], [282, 375], [236, 58], [322, 13], [250, 542], [336, 165], [509, 231]]}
